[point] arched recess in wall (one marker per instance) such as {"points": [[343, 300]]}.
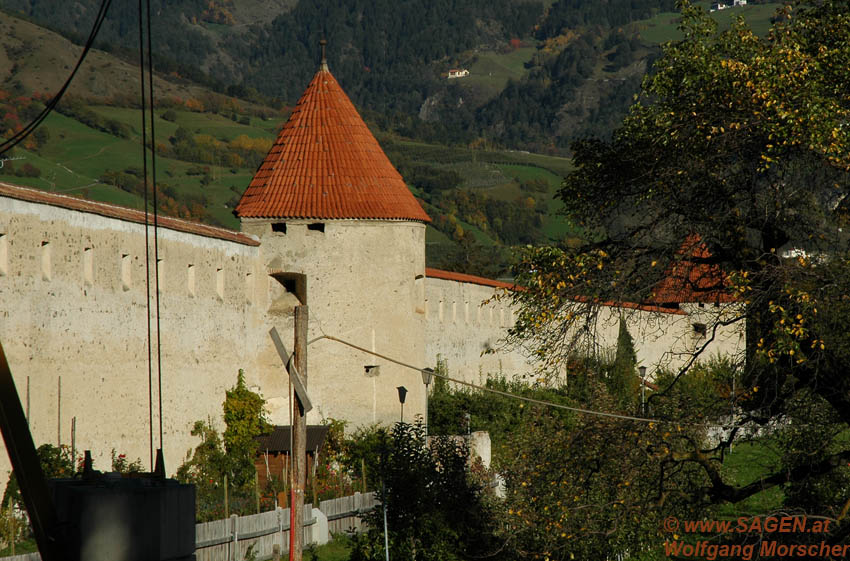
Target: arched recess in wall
{"points": [[287, 291]]}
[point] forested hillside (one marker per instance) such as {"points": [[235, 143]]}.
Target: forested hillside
{"points": [[483, 201], [542, 73]]}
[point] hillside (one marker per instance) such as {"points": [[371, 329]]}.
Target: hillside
{"points": [[460, 144], [541, 73], [482, 200], [36, 60]]}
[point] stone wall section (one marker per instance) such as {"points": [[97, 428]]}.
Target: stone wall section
{"points": [[466, 326], [72, 304]]}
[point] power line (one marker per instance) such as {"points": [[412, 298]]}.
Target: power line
{"points": [[147, 99], [492, 390], [155, 220], [147, 228], [19, 137]]}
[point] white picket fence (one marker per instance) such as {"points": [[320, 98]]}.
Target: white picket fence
{"points": [[231, 538]]}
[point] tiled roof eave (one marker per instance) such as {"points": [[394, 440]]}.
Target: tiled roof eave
{"points": [[470, 279], [425, 220], [122, 213], [482, 281]]}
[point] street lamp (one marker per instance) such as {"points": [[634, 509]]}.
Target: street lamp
{"points": [[427, 375], [402, 393], [642, 370]]}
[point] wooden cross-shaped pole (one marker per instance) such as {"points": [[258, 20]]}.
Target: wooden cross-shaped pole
{"points": [[302, 404]]}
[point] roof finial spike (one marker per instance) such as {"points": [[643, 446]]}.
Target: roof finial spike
{"points": [[323, 42]]}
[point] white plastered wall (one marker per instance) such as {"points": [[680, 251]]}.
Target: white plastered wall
{"points": [[362, 287], [466, 327], [80, 314], [669, 339]]}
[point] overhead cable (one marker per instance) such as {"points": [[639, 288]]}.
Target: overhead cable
{"points": [[493, 390], [19, 137]]}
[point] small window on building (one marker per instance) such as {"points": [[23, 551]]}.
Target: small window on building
{"points": [[88, 266], [279, 227], [190, 280], [700, 330], [46, 272], [4, 255], [219, 283], [316, 227], [126, 264]]}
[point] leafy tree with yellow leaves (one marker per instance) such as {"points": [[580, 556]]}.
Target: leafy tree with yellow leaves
{"points": [[732, 163]]}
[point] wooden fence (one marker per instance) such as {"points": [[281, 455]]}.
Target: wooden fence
{"points": [[231, 538], [344, 514], [23, 557]]}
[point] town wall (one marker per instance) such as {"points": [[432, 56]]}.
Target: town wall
{"points": [[466, 326], [73, 305], [667, 339]]}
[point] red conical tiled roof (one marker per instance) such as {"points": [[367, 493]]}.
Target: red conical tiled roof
{"points": [[325, 163]]}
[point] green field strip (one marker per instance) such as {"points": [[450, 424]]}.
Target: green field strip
{"points": [[665, 26]]}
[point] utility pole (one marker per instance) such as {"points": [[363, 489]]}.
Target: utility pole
{"points": [[299, 436]]}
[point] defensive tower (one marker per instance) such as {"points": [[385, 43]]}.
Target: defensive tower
{"points": [[327, 203]]}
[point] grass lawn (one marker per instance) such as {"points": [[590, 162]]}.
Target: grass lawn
{"points": [[26, 546], [491, 70], [76, 156], [218, 126], [338, 549], [746, 463], [665, 26]]}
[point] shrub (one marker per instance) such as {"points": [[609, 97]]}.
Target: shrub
{"points": [[28, 170]]}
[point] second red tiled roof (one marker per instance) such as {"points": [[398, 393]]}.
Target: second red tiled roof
{"points": [[692, 280], [327, 164]]}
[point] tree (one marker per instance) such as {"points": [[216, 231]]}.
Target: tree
{"points": [[436, 507], [244, 415], [231, 454], [623, 382], [578, 486], [56, 462], [736, 151]]}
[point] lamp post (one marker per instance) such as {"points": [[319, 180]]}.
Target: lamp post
{"points": [[427, 375], [402, 393], [642, 370]]}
